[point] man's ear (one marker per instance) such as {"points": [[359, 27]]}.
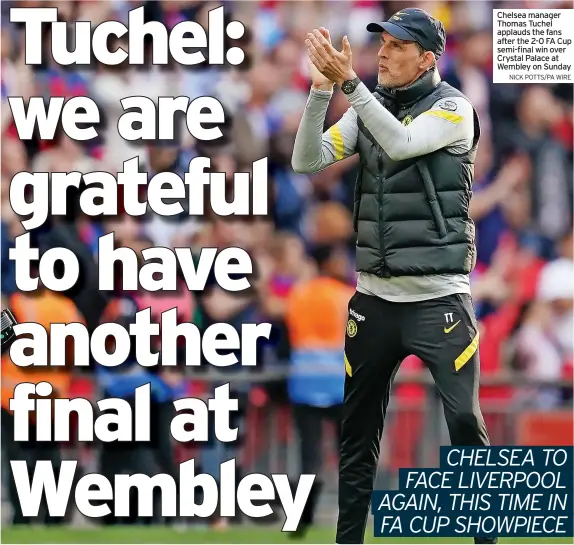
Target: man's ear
{"points": [[428, 60]]}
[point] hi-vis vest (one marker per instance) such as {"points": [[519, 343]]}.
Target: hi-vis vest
{"points": [[44, 308], [316, 318]]}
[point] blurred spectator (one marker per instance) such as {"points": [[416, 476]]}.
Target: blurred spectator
{"points": [[14, 159], [8, 231], [501, 202], [551, 188], [291, 266], [236, 309], [43, 307], [545, 343], [292, 191], [71, 233], [157, 456], [17, 78], [330, 223], [468, 73], [556, 287], [65, 155], [315, 316], [109, 86], [166, 156]]}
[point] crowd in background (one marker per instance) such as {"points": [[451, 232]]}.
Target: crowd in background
{"points": [[523, 285]]}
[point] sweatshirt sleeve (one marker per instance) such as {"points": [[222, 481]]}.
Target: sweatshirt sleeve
{"points": [[447, 123], [315, 150]]}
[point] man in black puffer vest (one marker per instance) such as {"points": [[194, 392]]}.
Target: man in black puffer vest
{"points": [[416, 137]]}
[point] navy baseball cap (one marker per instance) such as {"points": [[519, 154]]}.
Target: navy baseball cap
{"points": [[414, 25]]}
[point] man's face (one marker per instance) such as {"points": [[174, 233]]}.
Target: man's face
{"points": [[162, 157], [400, 62]]}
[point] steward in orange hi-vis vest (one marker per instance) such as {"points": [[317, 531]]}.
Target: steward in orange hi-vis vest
{"points": [[42, 307], [316, 317]]}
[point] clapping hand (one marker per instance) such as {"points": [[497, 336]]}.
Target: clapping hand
{"points": [[334, 66], [318, 80]]}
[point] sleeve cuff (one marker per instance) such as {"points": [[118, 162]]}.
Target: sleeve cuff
{"points": [[320, 93], [362, 91]]}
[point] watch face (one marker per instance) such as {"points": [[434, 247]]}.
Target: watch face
{"points": [[348, 87]]}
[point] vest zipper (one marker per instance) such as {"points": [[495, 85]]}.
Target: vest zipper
{"points": [[381, 193]]}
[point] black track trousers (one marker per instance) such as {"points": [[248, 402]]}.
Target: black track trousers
{"points": [[443, 333]]}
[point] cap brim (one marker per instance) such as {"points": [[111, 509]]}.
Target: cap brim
{"points": [[394, 30]]}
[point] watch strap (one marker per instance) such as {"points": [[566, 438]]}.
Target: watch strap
{"points": [[348, 86]]}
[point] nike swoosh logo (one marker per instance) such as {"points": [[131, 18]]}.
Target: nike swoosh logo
{"points": [[449, 329]]}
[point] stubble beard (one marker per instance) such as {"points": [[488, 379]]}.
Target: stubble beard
{"points": [[388, 81]]}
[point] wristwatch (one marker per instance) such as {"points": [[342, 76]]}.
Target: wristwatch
{"points": [[349, 85]]}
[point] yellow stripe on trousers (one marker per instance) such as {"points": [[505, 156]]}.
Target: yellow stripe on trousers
{"points": [[348, 368], [466, 354]]}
